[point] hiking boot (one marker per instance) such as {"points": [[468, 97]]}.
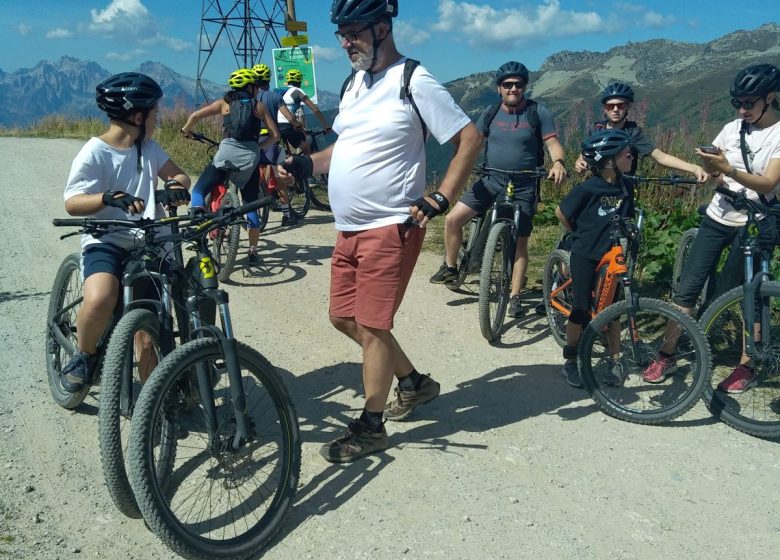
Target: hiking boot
{"points": [[614, 375], [77, 372], [740, 380], [289, 220], [253, 258], [445, 274], [515, 308], [358, 442], [571, 373], [659, 369], [406, 401]]}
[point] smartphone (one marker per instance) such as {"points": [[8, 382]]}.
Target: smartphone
{"points": [[709, 149]]}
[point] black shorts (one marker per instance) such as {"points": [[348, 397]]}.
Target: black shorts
{"points": [[293, 136], [104, 257], [483, 193]]}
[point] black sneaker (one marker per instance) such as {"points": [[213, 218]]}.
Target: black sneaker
{"points": [[289, 220], [77, 372], [614, 375], [406, 401], [571, 374], [515, 308], [358, 442], [445, 274], [253, 258]]}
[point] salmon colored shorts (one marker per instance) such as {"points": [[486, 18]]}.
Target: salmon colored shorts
{"points": [[370, 271]]}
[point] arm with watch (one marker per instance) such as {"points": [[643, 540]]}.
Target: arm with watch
{"points": [[558, 171], [719, 167]]}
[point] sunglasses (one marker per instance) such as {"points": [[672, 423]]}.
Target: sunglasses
{"points": [[747, 105], [613, 106], [510, 85], [350, 36]]}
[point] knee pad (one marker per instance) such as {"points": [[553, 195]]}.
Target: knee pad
{"points": [[579, 317], [569, 352]]}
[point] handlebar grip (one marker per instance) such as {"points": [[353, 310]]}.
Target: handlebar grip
{"points": [[265, 201], [60, 222], [721, 189]]}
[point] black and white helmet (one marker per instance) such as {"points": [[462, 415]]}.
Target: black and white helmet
{"points": [[757, 80], [362, 11], [604, 144], [124, 93], [617, 89]]}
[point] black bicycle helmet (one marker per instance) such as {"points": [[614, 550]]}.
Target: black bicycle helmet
{"points": [[124, 93], [757, 80], [604, 144], [512, 68], [362, 11], [617, 89]]}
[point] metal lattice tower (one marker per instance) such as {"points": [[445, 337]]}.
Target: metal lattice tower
{"points": [[247, 26]]}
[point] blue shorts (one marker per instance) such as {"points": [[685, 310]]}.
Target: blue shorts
{"points": [[104, 257]]}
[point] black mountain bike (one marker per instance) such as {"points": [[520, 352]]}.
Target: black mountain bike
{"points": [[746, 320], [215, 449], [498, 259], [318, 185]]}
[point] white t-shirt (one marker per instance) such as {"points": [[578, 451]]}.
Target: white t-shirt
{"points": [[378, 165], [99, 167], [293, 98], [763, 145]]}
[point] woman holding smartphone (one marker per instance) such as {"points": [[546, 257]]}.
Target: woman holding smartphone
{"points": [[745, 156]]}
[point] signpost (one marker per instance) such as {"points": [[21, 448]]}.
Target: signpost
{"points": [[296, 58]]}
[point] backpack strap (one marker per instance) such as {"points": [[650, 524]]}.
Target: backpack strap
{"points": [[743, 147], [406, 91]]}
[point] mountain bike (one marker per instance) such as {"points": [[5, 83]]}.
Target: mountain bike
{"points": [[299, 193], [746, 321], [141, 330], [627, 336], [220, 409], [498, 259], [556, 280], [318, 185]]}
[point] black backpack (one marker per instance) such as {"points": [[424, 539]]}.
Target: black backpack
{"points": [[241, 123], [406, 91], [531, 114]]}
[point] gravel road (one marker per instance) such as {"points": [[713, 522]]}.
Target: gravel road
{"points": [[509, 462]]}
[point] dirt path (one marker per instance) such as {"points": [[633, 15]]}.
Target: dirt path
{"points": [[509, 462]]}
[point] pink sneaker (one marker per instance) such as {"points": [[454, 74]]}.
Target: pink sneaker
{"points": [[659, 369], [740, 380]]}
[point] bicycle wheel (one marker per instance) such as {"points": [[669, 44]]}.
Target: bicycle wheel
{"points": [[217, 502], [61, 329], [757, 410], [682, 256], [264, 212], [465, 253], [299, 198], [495, 280], [122, 379], [318, 191], [557, 273], [633, 399], [225, 243]]}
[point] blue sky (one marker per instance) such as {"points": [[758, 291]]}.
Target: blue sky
{"points": [[453, 38]]}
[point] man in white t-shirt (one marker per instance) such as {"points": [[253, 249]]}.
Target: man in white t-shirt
{"points": [[376, 180]]}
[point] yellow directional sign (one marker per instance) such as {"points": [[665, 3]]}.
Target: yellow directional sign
{"points": [[295, 26], [295, 40]]}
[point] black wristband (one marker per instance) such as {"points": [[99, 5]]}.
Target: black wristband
{"points": [[559, 160]]}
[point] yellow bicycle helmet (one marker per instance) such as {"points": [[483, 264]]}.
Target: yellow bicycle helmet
{"points": [[242, 78], [263, 72], [294, 76]]}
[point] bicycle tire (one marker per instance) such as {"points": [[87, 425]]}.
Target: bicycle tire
{"points": [[757, 410], [264, 212], [65, 291], [318, 191], [557, 270], [636, 400], [494, 281], [680, 258], [225, 243], [465, 254], [300, 198], [163, 503], [113, 421]]}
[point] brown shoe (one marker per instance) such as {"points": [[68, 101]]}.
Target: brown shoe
{"points": [[406, 401], [358, 442]]}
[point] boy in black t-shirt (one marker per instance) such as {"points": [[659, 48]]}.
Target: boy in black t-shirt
{"points": [[587, 212]]}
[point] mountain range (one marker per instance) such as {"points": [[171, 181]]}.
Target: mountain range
{"points": [[673, 80]]}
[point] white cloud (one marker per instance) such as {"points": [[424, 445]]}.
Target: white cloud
{"points": [[126, 56], [327, 54], [407, 34], [59, 33], [23, 29], [654, 19], [483, 25], [130, 22]]}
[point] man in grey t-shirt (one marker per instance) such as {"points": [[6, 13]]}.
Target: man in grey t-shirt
{"points": [[516, 136]]}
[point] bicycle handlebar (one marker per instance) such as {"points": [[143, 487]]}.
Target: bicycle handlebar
{"points": [[198, 137], [740, 201], [311, 132], [675, 180]]}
